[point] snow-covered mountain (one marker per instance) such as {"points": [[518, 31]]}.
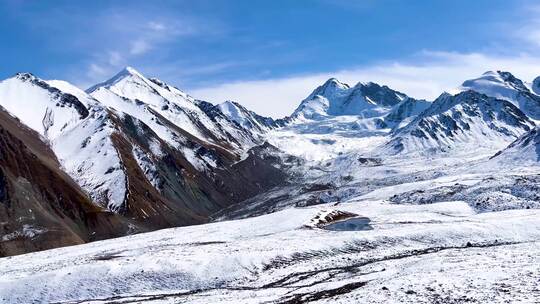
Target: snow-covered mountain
{"points": [[151, 156], [504, 85], [40, 106], [336, 98], [465, 120], [41, 206], [403, 112], [248, 119], [78, 130], [174, 105], [134, 157], [333, 203], [524, 150], [377, 106]]}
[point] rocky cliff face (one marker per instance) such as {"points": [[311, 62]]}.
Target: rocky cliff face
{"points": [[41, 207]]}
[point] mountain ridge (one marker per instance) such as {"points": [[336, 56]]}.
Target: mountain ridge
{"points": [[151, 156]]}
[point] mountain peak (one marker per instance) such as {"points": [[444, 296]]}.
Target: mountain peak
{"points": [[24, 76], [335, 83], [131, 71], [500, 77], [510, 78], [336, 98], [126, 72], [491, 73], [228, 103], [330, 89]]}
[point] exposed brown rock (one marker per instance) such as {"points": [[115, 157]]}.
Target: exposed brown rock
{"points": [[42, 207]]}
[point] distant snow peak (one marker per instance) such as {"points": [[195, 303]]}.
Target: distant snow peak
{"points": [[504, 85], [127, 72], [492, 78], [468, 119], [131, 71], [334, 98], [246, 118], [334, 82]]}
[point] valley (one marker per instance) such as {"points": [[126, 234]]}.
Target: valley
{"points": [[362, 194]]}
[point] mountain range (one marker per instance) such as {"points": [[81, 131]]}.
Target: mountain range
{"points": [[134, 154]]}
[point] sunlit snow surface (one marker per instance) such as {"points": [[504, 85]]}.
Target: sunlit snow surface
{"points": [[443, 251], [319, 140], [416, 253]]}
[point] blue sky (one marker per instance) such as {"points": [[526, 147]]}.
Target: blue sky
{"points": [[270, 54]]}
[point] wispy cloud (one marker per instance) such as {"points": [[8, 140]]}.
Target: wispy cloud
{"points": [[528, 28], [426, 75], [131, 37], [114, 36], [183, 46]]}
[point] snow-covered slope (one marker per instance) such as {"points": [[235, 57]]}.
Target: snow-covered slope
{"points": [[504, 85], [524, 150], [402, 113], [77, 129], [41, 207], [134, 161], [387, 253], [80, 135], [164, 128], [335, 98], [176, 106], [463, 121], [43, 108], [246, 118]]}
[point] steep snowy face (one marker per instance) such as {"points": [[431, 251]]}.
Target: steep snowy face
{"points": [[133, 85], [44, 108], [466, 120], [504, 85], [164, 129], [523, 150], [246, 118], [334, 98], [90, 157], [176, 106], [404, 112], [77, 128]]}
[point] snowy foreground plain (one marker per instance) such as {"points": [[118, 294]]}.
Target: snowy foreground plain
{"points": [[387, 250]]}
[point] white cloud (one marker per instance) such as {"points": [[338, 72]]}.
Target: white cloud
{"points": [[156, 26], [427, 75], [139, 46], [126, 38], [115, 58]]}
